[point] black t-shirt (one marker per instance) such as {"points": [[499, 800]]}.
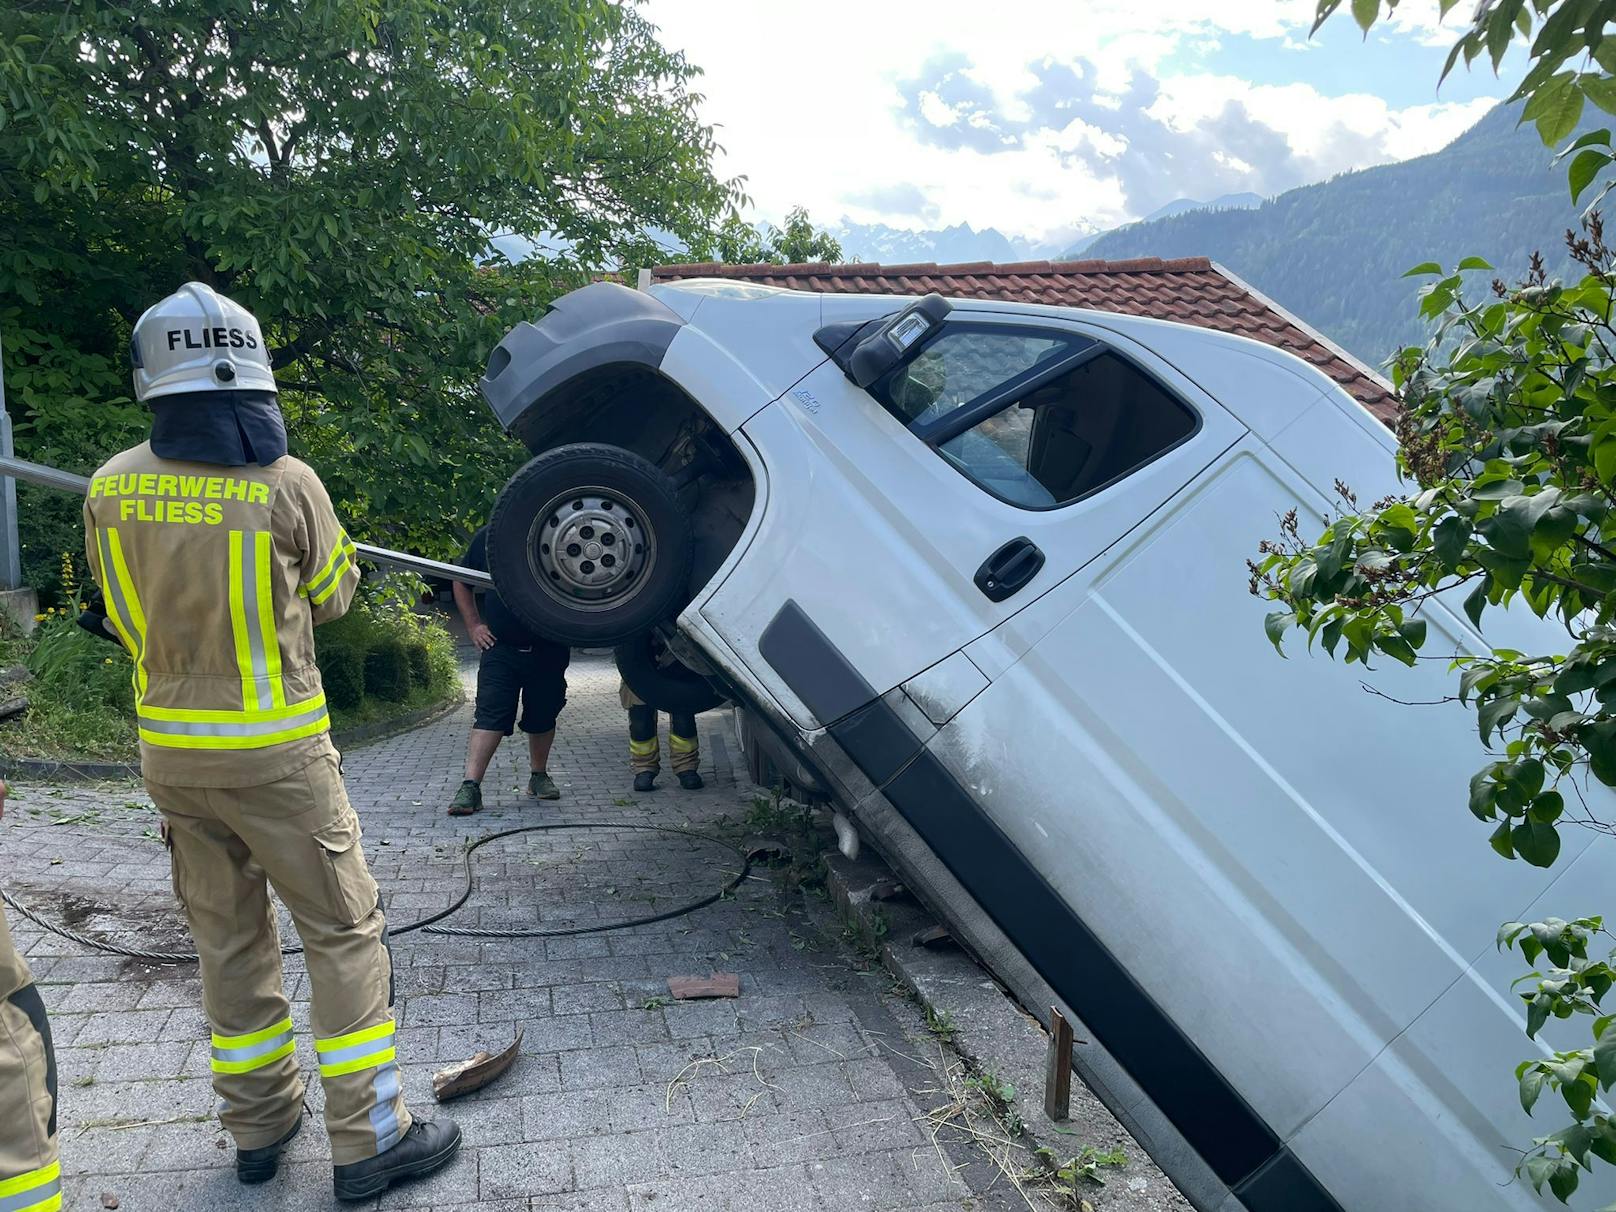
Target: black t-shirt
{"points": [[507, 628]]}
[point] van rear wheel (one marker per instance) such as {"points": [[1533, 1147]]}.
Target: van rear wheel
{"points": [[589, 545]]}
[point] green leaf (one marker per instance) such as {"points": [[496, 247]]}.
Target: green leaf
{"points": [[1475, 263], [1423, 269], [1499, 840], [1537, 1013], [1449, 538], [1476, 601], [1584, 169], [1495, 712], [1537, 843], [1396, 647], [1601, 90], [1531, 1083], [1413, 630], [1563, 1178], [1364, 13], [1546, 808], [1605, 1060], [1561, 107], [1276, 625]]}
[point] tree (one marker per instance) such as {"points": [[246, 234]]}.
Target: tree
{"points": [[1508, 437], [737, 242], [339, 168]]}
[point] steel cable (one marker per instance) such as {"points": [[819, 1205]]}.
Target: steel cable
{"points": [[428, 924]]}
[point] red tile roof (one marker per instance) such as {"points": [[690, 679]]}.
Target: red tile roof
{"points": [[1190, 290]]}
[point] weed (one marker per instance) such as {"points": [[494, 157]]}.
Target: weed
{"points": [[1068, 1176], [657, 1002], [1000, 1096], [941, 1024], [623, 802]]}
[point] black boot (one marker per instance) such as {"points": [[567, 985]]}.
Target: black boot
{"points": [[254, 1166], [425, 1148], [645, 780], [690, 780]]}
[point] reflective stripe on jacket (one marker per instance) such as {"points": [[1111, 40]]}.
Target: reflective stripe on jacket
{"points": [[214, 578]]}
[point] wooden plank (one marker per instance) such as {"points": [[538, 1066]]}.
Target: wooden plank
{"points": [[1058, 1073]]}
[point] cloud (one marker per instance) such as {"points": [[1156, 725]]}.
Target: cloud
{"points": [[899, 200], [1157, 140], [1121, 134], [1034, 116]]}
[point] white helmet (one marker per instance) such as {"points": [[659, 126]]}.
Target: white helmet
{"points": [[198, 340]]}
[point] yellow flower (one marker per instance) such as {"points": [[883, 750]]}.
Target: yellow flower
{"points": [[39, 618]]}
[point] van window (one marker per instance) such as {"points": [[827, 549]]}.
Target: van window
{"points": [[997, 406]]}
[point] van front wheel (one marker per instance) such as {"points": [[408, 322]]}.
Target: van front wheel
{"points": [[589, 546]]}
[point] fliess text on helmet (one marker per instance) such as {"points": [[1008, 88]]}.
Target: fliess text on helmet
{"points": [[212, 338]]}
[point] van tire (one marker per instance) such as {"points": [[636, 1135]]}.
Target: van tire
{"points": [[581, 593], [674, 687]]}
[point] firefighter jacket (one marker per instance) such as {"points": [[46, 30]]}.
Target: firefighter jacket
{"points": [[214, 579]]}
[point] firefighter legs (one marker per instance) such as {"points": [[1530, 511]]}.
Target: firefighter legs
{"points": [[300, 833], [30, 1175]]}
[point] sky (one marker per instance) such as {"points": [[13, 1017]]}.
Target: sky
{"points": [[1047, 118]]}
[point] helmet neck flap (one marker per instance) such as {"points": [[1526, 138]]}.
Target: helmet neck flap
{"points": [[228, 428]]}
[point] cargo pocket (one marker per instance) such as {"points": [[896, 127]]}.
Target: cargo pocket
{"points": [[349, 888]]}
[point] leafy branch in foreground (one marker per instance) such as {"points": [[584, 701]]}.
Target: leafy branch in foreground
{"points": [[1509, 438]]}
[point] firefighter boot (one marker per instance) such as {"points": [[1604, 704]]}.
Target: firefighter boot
{"points": [[254, 1166], [426, 1147], [686, 749]]}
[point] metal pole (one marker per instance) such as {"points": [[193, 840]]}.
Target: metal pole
{"points": [[66, 481], [10, 549]]}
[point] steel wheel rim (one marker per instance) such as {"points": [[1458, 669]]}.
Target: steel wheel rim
{"points": [[591, 548]]}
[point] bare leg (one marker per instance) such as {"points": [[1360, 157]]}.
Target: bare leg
{"points": [[538, 749], [480, 751]]}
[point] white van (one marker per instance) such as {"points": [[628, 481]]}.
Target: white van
{"points": [[977, 572]]}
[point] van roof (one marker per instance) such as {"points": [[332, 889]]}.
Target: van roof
{"points": [[1189, 290]]}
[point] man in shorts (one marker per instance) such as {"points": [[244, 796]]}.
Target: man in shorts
{"points": [[515, 666]]}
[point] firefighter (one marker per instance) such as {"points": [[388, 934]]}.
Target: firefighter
{"points": [[216, 554], [644, 750], [30, 1174]]}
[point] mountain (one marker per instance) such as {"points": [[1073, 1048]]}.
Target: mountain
{"points": [[1334, 253], [1180, 206], [896, 245]]}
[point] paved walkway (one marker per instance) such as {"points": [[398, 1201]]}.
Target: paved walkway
{"points": [[811, 1091]]}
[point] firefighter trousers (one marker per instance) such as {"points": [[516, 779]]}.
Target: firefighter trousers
{"points": [[30, 1174], [299, 836], [644, 750]]}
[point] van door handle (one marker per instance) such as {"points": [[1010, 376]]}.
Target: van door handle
{"points": [[1009, 568]]}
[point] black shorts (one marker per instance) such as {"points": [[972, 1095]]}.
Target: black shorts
{"points": [[536, 676]]}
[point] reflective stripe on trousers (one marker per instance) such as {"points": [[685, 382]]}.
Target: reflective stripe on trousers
{"points": [[244, 1053], [36, 1191], [363, 1049], [368, 1048]]}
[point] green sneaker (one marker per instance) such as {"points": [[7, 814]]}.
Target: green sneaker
{"points": [[540, 784], [467, 800]]}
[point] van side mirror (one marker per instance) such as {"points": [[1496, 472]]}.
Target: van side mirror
{"points": [[897, 340]]}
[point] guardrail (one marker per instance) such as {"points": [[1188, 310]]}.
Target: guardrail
{"points": [[66, 481]]}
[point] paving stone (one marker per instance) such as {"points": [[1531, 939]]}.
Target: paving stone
{"points": [[616, 1160], [596, 1067]]}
